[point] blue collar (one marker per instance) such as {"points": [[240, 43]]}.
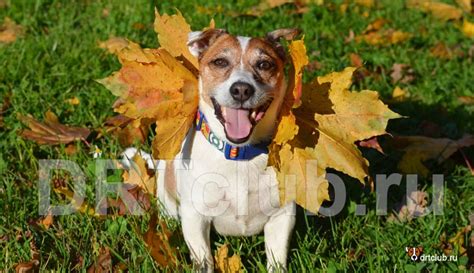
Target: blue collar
{"points": [[231, 152]]}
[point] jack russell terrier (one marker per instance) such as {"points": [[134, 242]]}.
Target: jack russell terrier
{"points": [[221, 178]]}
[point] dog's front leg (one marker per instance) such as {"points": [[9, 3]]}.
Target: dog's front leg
{"points": [[196, 231], [278, 232]]}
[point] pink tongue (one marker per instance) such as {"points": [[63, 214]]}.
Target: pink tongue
{"points": [[237, 123]]}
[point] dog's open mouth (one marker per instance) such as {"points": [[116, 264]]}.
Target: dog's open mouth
{"points": [[239, 122]]}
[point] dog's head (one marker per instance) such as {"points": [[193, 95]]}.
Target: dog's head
{"points": [[241, 82], [414, 252]]}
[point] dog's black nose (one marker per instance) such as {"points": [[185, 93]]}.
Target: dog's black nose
{"points": [[241, 91]]}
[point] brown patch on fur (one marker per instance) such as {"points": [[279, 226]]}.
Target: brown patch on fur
{"points": [[260, 50], [226, 46]]}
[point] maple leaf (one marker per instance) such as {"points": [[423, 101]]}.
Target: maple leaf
{"points": [[10, 31], [299, 59], [419, 149], [173, 36], [329, 122], [226, 264], [153, 84], [51, 131]]}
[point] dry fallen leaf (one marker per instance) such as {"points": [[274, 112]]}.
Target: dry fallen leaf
{"points": [[467, 100], [47, 220], [399, 94], [468, 28], [419, 149], [439, 10], [412, 205], [402, 73], [226, 264], [365, 3], [456, 242], [10, 31], [103, 263], [440, 50], [73, 101], [51, 132], [374, 34], [372, 143], [356, 60], [158, 242], [27, 267]]}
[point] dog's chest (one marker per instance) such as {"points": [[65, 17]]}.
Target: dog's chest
{"points": [[239, 196]]}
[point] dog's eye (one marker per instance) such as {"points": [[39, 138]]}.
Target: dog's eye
{"points": [[220, 62], [264, 65]]}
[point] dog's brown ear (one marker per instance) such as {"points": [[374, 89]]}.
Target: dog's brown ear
{"points": [[275, 36], [199, 41], [285, 33]]}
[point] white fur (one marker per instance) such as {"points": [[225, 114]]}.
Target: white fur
{"points": [[238, 198]]}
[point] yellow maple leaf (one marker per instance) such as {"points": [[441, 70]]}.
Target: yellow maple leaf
{"points": [[173, 35], [330, 120], [301, 178], [226, 264], [297, 51]]}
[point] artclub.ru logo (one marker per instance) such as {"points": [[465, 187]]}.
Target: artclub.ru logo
{"points": [[414, 252]]}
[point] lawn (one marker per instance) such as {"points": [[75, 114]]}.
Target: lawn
{"points": [[59, 59]]}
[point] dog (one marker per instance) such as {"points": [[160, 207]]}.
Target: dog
{"points": [[220, 179]]}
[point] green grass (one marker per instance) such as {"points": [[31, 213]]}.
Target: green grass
{"points": [[59, 59]]}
